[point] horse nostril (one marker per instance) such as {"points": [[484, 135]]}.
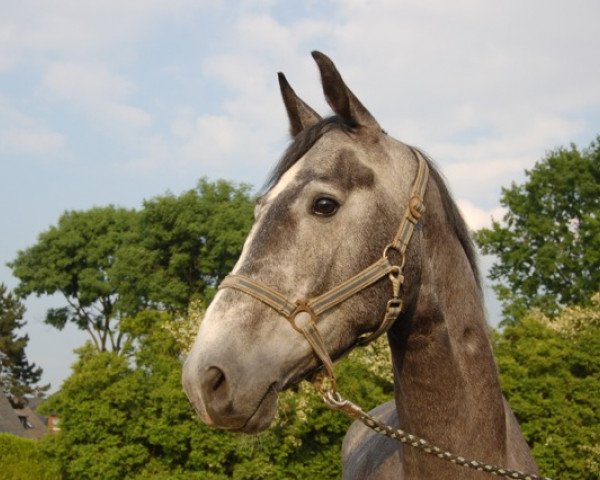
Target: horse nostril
{"points": [[215, 378], [216, 393]]}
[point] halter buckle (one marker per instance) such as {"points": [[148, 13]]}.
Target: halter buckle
{"points": [[393, 308], [397, 279], [416, 207]]}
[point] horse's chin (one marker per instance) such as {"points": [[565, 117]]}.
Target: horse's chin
{"points": [[262, 417]]}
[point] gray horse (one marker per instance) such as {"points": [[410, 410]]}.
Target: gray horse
{"points": [[333, 203]]}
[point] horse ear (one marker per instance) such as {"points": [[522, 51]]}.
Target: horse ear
{"points": [[340, 98], [300, 114]]}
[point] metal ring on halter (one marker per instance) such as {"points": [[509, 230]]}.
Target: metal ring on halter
{"points": [[391, 247], [302, 307], [395, 271]]}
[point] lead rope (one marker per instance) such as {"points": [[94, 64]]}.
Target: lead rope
{"points": [[335, 401]]}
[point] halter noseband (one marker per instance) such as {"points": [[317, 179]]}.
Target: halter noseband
{"points": [[315, 306]]}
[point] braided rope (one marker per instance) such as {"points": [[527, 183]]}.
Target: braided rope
{"points": [[335, 401]]}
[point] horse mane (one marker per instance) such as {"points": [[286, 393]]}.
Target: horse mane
{"points": [[453, 215], [305, 140]]}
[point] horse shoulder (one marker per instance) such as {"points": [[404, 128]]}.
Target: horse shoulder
{"points": [[368, 455]]}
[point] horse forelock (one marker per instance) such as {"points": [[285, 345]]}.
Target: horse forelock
{"points": [[300, 145]]}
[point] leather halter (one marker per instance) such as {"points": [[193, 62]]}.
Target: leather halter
{"points": [[315, 306]]}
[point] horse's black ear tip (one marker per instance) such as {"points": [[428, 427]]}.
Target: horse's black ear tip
{"points": [[319, 57], [323, 61], [284, 85]]}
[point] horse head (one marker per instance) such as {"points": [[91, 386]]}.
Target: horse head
{"points": [[333, 203]]}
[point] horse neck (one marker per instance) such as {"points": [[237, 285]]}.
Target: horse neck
{"points": [[446, 382]]}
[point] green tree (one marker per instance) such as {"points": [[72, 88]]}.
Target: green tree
{"points": [[190, 242], [18, 377], [110, 263], [128, 420], [76, 259], [550, 373], [548, 244], [134, 421]]}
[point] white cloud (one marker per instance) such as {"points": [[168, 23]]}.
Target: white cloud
{"points": [[476, 217], [22, 134], [210, 137], [95, 90], [78, 46], [31, 142], [481, 166], [201, 144], [479, 86], [78, 30], [82, 82]]}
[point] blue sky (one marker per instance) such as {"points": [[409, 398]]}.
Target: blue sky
{"points": [[116, 101]]}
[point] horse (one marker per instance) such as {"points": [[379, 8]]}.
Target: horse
{"points": [[331, 205]]}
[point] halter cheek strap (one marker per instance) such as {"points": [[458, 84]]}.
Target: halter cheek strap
{"points": [[316, 306]]}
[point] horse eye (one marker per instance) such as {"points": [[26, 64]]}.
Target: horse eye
{"points": [[325, 206]]}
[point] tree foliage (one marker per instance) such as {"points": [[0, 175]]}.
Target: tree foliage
{"points": [[24, 459], [134, 421], [548, 244], [550, 373], [76, 259], [110, 263], [18, 377], [188, 243]]}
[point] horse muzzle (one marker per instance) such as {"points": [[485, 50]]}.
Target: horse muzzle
{"points": [[226, 397]]}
